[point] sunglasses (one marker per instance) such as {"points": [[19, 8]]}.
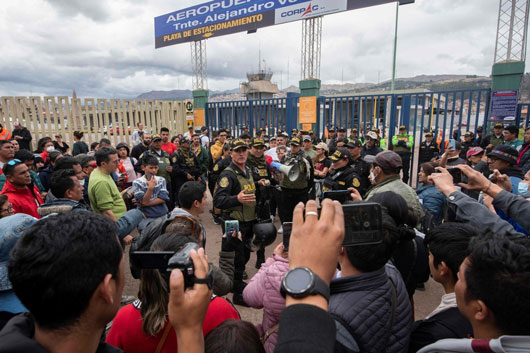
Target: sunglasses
{"points": [[14, 162]]}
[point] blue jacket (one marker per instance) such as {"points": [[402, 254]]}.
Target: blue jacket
{"points": [[433, 200]]}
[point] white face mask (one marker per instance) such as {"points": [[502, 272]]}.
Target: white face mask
{"points": [[49, 149], [82, 182], [372, 177]]}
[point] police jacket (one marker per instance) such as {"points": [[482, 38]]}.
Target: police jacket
{"points": [[163, 163], [372, 151], [402, 143], [184, 162], [260, 170], [427, 153], [341, 179], [372, 308], [221, 165], [363, 171], [231, 181]]}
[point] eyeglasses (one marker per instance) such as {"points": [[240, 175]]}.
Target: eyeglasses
{"points": [[14, 162]]}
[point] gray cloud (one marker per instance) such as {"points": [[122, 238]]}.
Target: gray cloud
{"points": [[106, 49]]}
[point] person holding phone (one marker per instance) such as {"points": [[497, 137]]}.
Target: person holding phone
{"points": [[402, 144], [235, 196]]}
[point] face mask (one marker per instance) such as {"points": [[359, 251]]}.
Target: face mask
{"points": [[82, 182], [522, 190], [49, 149], [372, 177]]}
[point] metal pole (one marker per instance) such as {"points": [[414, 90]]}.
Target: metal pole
{"points": [[395, 49]]}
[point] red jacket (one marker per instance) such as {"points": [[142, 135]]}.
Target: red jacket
{"points": [[126, 332], [23, 200], [169, 148]]}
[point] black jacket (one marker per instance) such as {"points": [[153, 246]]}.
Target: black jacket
{"points": [[25, 141], [449, 323], [427, 153], [17, 336]]}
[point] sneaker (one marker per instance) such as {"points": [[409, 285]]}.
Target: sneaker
{"points": [[216, 220], [280, 231]]}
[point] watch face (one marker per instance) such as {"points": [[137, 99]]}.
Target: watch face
{"points": [[298, 280]]}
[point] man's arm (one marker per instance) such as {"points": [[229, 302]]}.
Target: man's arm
{"points": [[110, 215]]}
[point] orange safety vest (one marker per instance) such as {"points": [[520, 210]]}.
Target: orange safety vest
{"points": [[5, 135]]}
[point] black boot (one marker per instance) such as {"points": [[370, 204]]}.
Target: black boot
{"points": [[260, 259], [237, 299]]}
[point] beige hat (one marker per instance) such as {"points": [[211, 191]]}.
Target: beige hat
{"points": [[372, 135], [323, 146]]}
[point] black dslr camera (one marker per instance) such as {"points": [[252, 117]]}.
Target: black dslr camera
{"points": [[170, 260]]}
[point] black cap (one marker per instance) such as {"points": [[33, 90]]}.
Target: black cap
{"points": [[237, 144], [257, 142], [403, 127], [354, 143], [185, 139], [506, 153], [156, 137], [339, 154], [499, 126], [331, 129], [341, 129], [469, 134], [295, 141]]}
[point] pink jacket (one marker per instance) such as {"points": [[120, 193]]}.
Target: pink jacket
{"points": [[263, 291]]}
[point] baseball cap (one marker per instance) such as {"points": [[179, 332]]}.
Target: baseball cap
{"points": [[499, 126], [156, 137], [257, 142], [429, 133], [372, 135], [505, 153], [340, 153], [184, 140], [272, 138], [331, 129], [469, 134], [403, 127], [307, 138], [237, 144], [341, 129], [354, 129], [322, 146], [388, 160], [354, 143], [295, 141], [294, 131], [473, 151], [304, 132]]}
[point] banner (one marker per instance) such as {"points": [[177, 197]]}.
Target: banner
{"points": [[308, 110], [222, 17], [504, 105]]}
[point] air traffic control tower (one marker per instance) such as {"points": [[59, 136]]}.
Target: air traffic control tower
{"points": [[259, 85]]}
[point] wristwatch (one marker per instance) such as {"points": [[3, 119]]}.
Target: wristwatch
{"points": [[301, 282]]}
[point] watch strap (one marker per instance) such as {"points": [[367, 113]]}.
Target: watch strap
{"points": [[320, 287]]}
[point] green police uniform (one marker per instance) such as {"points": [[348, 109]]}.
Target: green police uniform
{"points": [[402, 145]]}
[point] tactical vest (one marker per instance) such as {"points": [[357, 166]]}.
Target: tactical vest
{"points": [[405, 148], [245, 212], [302, 180], [331, 182]]}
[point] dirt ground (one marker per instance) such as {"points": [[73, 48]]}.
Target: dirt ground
{"points": [[424, 301]]}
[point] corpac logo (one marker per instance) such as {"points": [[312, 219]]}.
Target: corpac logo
{"points": [[302, 11]]}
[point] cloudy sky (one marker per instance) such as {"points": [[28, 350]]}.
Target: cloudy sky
{"points": [[106, 48]]}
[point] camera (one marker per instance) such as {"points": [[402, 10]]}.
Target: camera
{"points": [[168, 261]]}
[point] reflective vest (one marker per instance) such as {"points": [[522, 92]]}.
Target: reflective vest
{"points": [[245, 212]]}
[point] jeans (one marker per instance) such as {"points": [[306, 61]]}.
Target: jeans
{"points": [[130, 220]]}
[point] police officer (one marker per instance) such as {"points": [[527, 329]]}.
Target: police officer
{"points": [[428, 149], [358, 164], [235, 195], [293, 192], [342, 175], [402, 144], [185, 166], [261, 174], [469, 141], [213, 176]]}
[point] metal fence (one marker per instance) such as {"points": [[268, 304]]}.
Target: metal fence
{"points": [[523, 116], [114, 119], [447, 113]]}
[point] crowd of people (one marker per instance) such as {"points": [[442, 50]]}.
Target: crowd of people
{"points": [[68, 214]]}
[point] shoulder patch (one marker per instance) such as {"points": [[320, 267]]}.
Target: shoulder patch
{"points": [[223, 182], [356, 183], [216, 168]]}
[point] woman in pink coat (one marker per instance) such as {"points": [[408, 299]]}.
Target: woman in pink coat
{"points": [[263, 291]]}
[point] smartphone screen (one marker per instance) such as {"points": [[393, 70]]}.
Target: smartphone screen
{"points": [[362, 223], [456, 174], [151, 259], [230, 227], [339, 195], [287, 228], [452, 144]]}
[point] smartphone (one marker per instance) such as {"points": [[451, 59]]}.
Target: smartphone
{"points": [[451, 144], [230, 227], [287, 228], [151, 259], [362, 223], [456, 174], [148, 176], [339, 195]]}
